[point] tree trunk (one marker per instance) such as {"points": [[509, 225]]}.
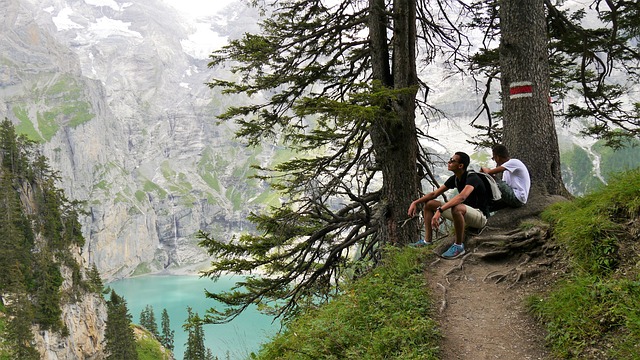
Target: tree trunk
{"points": [[394, 133], [529, 129]]}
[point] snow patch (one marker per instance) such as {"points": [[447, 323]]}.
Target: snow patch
{"points": [[108, 3], [63, 20], [202, 43]]}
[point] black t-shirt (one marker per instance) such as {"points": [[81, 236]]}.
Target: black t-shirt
{"points": [[478, 198]]}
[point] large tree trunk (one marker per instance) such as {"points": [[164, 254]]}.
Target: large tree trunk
{"points": [[529, 129], [394, 133]]}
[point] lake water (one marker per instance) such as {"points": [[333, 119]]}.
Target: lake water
{"points": [[236, 339]]}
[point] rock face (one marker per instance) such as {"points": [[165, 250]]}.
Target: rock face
{"points": [[116, 95], [84, 315], [85, 320]]}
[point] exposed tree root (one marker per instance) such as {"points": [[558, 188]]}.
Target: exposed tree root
{"points": [[443, 303], [529, 244]]}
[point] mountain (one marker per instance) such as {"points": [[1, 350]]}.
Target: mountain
{"points": [[115, 92]]}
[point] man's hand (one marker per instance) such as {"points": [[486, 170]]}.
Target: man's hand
{"points": [[413, 209], [435, 220]]}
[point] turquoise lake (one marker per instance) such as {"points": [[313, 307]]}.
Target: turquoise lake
{"points": [[235, 340]]}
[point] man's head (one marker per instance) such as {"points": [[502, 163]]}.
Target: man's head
{"points": [[459, 158], [500, 154]]}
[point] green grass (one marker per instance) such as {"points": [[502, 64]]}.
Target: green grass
{"points": [[384, 315], [149, 348], [595, 311], [589, 226]]}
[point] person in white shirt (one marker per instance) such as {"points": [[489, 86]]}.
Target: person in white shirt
{"points": [[515, 183]]}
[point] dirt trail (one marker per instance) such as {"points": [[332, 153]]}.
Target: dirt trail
{"points": [[480, 319]]}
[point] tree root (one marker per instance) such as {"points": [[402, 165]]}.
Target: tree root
{"points": [[516, 273], [536, 256], [497, 246], [443, 303], [459, 266]]}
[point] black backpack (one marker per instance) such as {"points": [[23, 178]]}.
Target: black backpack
{"points": [[490, 184]]}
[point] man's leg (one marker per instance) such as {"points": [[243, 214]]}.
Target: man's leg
{"points": [[508, 197], [457, 213], [427, 215], [462, 215]]}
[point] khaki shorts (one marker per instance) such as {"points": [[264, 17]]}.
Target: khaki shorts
{"points": [[472, 218]]}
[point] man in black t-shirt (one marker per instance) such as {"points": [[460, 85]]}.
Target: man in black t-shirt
{"points": [[470, 207]]}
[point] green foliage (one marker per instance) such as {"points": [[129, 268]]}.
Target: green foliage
{"points": [[166, 338], [148, 320], [47, 281], [592, 66], [149, 348], [119, 336], [94, 280], [589, 226], [194, 348], [587, 311], [19, 333], [598, 305], [35, 243], [386, 314]]}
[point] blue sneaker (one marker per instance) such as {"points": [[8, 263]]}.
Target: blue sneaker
{"points": [[420, 243], [454, 252]]}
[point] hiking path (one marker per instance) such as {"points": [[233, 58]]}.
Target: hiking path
{"points": [[480, 317]]}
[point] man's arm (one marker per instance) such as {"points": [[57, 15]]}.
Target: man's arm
{"points": [[493, 171], [413, 208], [456, 200]]}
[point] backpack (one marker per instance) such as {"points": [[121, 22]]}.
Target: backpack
{"points": [[490, 185]]}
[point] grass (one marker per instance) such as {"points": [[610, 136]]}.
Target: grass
{"points": [[384, 315], [148, 347], [595, 311]]}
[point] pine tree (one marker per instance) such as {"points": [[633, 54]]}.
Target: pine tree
{"points": [[195, 349], [119, 336], [348, 103], [210, 356], [148, 320], [94, 279], [21, 316], [166, 339]]}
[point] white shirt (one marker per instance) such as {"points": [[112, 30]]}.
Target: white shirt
{"points": [[516, 176]]}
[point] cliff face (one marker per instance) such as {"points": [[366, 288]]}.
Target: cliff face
{"points": [[86, 320], [116, 94]]}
